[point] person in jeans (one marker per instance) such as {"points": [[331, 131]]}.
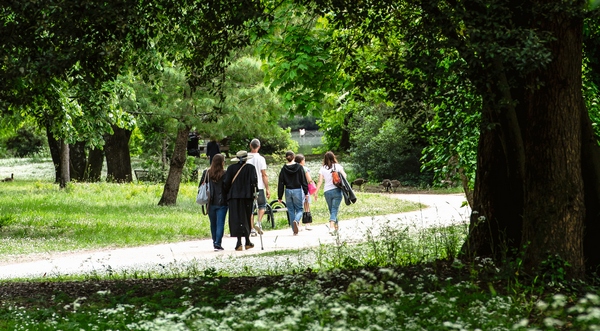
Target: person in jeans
{"points": [[260, 164], [332, 193], [292, 180], [217, 206]]}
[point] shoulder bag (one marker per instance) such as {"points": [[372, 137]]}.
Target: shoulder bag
{"points": [[203, 197]]}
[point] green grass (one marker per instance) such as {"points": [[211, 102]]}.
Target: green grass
{"points": [[400, 278], [38, 217]]}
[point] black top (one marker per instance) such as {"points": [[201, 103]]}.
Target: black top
{"points": [[292, 176], [245, 184], [212, 149], [215, 189]]}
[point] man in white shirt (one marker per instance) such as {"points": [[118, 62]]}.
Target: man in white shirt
{"points": [[260, 164]]}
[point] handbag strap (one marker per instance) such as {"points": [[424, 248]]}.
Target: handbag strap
{"points": [[237, 173]]}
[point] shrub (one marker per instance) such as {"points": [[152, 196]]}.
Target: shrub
{"points": [[26, 143], [386, 147]]}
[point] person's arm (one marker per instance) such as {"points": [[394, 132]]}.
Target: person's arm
{"points": [[318, 186], [304, 183], [265, 180], [280, 186]]}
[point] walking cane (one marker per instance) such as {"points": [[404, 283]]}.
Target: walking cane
{"points": [[259, 234]]}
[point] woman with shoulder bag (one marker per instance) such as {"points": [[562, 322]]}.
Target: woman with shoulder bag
{"points": [[332, 192], [217, 208]]}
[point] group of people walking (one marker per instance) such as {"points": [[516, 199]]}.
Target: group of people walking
{"points": [[244, 187]]}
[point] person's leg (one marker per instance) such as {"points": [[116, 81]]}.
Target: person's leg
{"points": [[221, 212], [249, 245], [331, 198], [262, 205], [212, 217], [289, 206], [296, 203], [249, 204], [336, 200], [291, 198]]}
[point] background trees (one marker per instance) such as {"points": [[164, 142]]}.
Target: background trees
{"points": [[507, 73]]}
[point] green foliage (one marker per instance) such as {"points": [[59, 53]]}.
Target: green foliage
{"points": [[299, 63], [385, 146], [26, 142]]}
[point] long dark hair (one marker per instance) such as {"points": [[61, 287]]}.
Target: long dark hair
{"points": [[217, 170], [329, 160]]}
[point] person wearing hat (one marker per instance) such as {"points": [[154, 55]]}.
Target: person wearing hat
{"points": [[240, 186], [292, 180]]}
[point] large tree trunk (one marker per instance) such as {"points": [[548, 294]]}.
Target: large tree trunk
{"points": [[497, 207], [169, 196], [590, 160], [554, 210], [94, 167], [529, 188], [118, 159], [78, 161]]}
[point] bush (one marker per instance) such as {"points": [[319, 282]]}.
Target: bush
{"points": [[385, 147], [26, 143]]}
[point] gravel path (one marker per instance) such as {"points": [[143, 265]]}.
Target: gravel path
{"points": [[442, 210]]}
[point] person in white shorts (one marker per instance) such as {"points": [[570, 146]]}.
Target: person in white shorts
{"points": [[260, 164]]}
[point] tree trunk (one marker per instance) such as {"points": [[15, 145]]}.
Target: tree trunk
{"points": [[55, 151], [554, 210], [118, 159], [78, 161], [64, 164], [171, 189], [94, 167], [497, 207], [590, 160]]}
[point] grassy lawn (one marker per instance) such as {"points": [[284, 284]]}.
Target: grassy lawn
{"points": [[399, 279], [38, 217]]}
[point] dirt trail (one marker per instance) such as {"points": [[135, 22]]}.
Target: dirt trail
{"points": [[442, 210]]}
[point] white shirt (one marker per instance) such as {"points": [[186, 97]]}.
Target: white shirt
{"points": [[260, 164], [326, 173]]}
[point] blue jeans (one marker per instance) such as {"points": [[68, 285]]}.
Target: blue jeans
{"points": [[333, 199], [216, 215], [294, 202]]}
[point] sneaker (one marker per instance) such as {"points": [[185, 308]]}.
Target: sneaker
{"points": [[295, 227], [308, 228], [253, 233], [249, 245], [219, 248], [258, 228]]}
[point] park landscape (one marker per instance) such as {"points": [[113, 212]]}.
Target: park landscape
{"points": [[494, 100]]}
